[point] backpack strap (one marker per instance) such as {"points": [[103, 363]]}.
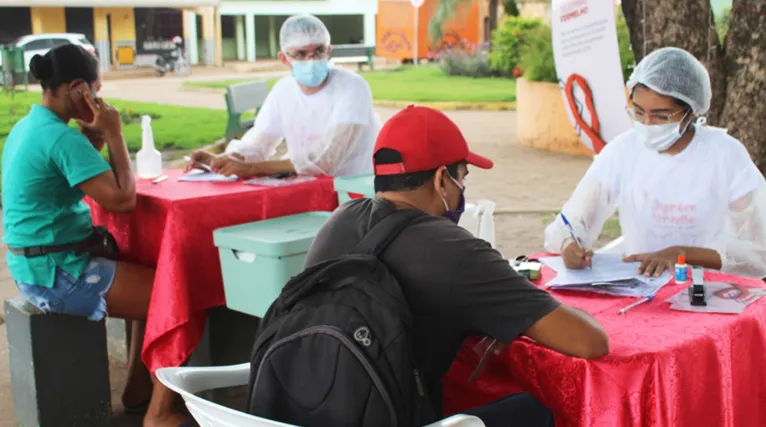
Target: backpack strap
{"points": [[373, 243], [384, 232]]}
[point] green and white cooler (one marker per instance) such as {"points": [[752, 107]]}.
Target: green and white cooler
{"points": [[259, 258]]}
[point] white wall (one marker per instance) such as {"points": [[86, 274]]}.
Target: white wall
{"points": [[315, 7]]}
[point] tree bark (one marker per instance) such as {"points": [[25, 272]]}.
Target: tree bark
{"points": [[493, 5], [744, 113], [687, 24]]}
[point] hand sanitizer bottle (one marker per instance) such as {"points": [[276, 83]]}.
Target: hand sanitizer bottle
{"points": [[148, 159]]}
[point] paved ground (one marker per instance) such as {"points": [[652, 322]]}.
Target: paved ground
{"points": [[523, 183]]}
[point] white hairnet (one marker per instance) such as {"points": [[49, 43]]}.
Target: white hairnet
{"points": [[676, 73], [303, 30]]}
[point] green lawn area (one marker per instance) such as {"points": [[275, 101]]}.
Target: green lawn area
{"points": [[182, 128], [420, 84]]}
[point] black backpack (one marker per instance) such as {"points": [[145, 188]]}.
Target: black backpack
{"points": [[335, 349]]}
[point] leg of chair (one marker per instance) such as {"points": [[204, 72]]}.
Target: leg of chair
{"points": [[59, 368]]}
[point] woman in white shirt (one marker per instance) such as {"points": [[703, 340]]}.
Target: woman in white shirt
{"points": [[681, 188], [324, 113]]}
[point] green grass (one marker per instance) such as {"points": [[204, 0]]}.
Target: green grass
{"points": [[420, 84], [182, 128]]}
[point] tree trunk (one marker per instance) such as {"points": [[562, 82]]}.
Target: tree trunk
{"points": [[737, 70], [687, 24], [744, 113], [493, 5]]}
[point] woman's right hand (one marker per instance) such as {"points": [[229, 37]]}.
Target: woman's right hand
{"points": [[106, 118], [198, 156], [575, 257]]}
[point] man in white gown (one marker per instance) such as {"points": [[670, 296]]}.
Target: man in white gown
{"points": [[324, 113]]}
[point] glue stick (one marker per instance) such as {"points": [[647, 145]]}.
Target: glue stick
{"points": [[682, 270]]}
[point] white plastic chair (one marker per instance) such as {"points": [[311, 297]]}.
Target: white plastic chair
{"points": [[479, 220], [613, 247], [187, 381]]}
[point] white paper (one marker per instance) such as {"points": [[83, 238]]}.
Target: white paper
{"points": [[201, 176], [267, 181], [721, 297], [608, 275]]}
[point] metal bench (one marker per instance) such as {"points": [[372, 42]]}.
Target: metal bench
{"points": [[354, 54], [241, 98]]}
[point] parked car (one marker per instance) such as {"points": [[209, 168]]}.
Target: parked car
{"points": [[40, 44]]}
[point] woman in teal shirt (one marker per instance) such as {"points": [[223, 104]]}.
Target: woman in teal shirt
{"points": [[48, 167]]}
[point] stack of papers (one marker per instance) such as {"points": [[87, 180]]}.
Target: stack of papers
{"points": [[202, 176], [720, 298], [608, 275], [268, 181]]}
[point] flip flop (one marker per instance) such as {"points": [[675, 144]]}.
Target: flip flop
{"points": [[139, 409]]}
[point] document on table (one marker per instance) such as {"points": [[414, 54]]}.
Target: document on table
{"points": [[608, 275], [268, 181], [202, 176], [720, 297]]}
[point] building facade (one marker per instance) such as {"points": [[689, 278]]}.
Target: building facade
{"points": [[213, 30], [250, 28]]}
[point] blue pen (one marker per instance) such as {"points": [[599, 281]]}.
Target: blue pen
{"points": [[571, 230], [637, 303]]}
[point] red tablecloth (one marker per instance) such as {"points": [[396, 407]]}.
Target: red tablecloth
{"points": [[666, 368], [172, 229]]}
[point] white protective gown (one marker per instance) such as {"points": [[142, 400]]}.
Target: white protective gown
{"points": [[711, 195], [331, 132]]}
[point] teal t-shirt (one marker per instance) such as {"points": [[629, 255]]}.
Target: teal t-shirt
{"points": [[43, 162]]}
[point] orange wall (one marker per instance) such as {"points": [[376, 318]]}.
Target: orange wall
{"points": [[395, 27]]}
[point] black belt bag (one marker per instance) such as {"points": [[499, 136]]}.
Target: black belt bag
{"points": [[100, 243]]}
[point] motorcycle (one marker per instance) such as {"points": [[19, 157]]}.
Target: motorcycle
{"points": [[172, 61]]}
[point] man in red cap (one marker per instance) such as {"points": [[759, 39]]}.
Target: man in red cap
{"points": [[456, 284]]}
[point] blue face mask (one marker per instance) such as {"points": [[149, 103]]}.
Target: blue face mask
{"points": [[454, 215], [312, 72]]}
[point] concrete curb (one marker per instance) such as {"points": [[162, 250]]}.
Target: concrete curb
{"points": [[444, 106]]}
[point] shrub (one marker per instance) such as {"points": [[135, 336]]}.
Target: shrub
{"points": [[627, 59], [722, 21], [471, 61], [507, 41], [537, 56], [511, 8]]}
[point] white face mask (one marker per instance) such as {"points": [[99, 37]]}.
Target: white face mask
{"points": [[659, 137]]}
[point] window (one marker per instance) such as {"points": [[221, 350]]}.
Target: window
{"points": [[60, 42], [38, 44]]}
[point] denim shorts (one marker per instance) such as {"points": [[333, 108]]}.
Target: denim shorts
{"points": [[83, 296]]}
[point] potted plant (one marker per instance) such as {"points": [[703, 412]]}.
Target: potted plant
{"points": [[541, 116]]}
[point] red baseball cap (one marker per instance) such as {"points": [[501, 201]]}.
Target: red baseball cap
{"points": [[426, 140]]}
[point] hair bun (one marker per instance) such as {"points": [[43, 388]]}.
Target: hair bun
{"points": [[41, 67]]}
